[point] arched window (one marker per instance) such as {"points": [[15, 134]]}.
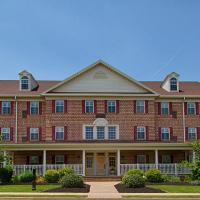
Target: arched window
{"points": [[24, 83], [173, 84]]}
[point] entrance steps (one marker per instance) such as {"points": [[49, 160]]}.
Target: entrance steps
{"points": [[102, 178]]}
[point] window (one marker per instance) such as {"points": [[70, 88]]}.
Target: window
{"points": [[190, 158], [111, 132], [141, 159], [140, 106], [34, 160], [89, 106], [100, 132], [141, 133], [192, 133], [165, 135], [111, 106], [88, 132], [59, 159], [34, 134], [59, 106], [5, 132], [166, 159], [89, 162], [173, 84], [59, 134], [164, 108], [191, 108], [34, 108], [6, 107], [24, 83]]}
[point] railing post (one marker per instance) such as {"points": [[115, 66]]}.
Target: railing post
{"points": [[176, 170], [4, 161], [156, 158], [44, 162], [83, 160], [118, 163]]}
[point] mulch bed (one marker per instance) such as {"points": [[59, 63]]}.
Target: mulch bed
{"points": [[123, 189], [85, 189]]}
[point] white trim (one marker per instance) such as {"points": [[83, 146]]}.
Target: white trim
{"points": [[108, 106], [144, 107], [144, 133], [57, 127], [37, 107], [8, 132], [92, 106], [57, 100], [168, 132], [37, 133]]}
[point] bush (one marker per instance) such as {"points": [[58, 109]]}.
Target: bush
{"points": [[135, 172], [6, 175], [154, 176], [195, 173], [40, 180], [65, 171], [133, 181], [52, 176], [26, 177], [196, 182], [15, 180], [171, 179], [72, 181]]}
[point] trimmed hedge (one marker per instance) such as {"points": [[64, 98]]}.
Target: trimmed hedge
{"points": [[52, 176], [154, 176], [133, 181], [72, 181]]}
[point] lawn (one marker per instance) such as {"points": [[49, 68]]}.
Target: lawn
{"points": [[177, 188], [26, 188]]}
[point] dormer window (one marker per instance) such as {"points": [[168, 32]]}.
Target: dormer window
{"points": [[173, 84], [24, 83]]}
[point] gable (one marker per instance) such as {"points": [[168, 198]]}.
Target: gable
{"points": [[100, 78]]}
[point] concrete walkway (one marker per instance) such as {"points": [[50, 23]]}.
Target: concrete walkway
{"points": [[103, 190]]}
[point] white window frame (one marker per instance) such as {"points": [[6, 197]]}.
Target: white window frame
{"points": [[171, 83], [140, 103], [188, 107], [164, 105], [56, 130], [102, 127], [141, 127], [6, 132], [109, 138], [195, 132], [115, 104], [57, 157], [28, 83], [162, 134], [92, 132], [143, 157], [56, 101], [34, 131], [89, 101], [35, 106], [5, 105]]}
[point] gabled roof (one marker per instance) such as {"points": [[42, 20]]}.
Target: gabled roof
{"points": [[90, 67]]}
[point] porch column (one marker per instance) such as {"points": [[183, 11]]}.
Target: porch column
{"points": [[118, 163], [156, 158], [44, 161], [4, 155], [83, 160]]}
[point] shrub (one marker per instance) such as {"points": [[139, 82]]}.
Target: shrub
{"points": [[72, 181], [40, 180], [26, 177], [195, 173], [15, 180], [6, 174], [133, 181], [65, 171], [52, 176], [196, 182], [135, 172], [171, 179], [154, 176]]}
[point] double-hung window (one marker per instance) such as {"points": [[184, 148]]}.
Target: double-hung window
{"points": [[59, 133], [173, 84], [140, 106], [164, 108], [191, 108], [141, 133], [59, 106], [111, 106], [59, 159], [112, 132], [89, 106], [100, 132], [6, 107], [34, 134], [34, 108], [24, 83], [166, 159], [141, 159], [34, 160], [5, 132], [192, 133], [165, 134], [89, 133]]}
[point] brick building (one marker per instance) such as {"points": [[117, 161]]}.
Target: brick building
{"points": [[99, 121]]}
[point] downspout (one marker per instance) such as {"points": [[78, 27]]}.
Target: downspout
{"points": [[16, 120], [184, 119]]}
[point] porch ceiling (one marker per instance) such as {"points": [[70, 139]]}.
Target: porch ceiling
{"points": [[97, 146]]}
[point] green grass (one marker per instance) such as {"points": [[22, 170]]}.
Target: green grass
{"points": [[177, 188], [26, 188], [160, 197]]}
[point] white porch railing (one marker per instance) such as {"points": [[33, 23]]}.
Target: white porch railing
{"points": [[19, 169], [171, 169]]}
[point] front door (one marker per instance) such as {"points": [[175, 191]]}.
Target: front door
{"points": [[101, 164]]}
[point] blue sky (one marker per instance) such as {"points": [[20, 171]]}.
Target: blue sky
{"points": [[146, 39]]}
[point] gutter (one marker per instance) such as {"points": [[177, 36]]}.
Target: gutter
{"points": [[16, 120]]}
